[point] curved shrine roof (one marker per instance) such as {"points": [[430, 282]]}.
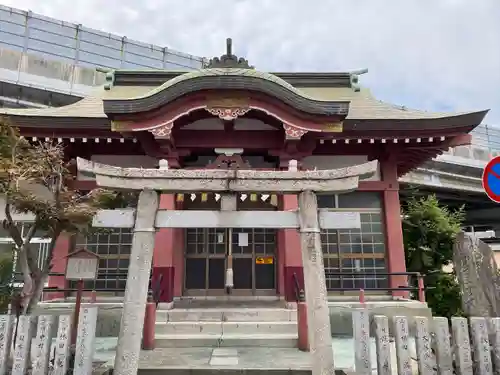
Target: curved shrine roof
{"points": [[363, 110], [226, 79]]}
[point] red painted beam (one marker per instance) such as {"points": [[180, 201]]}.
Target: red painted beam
{"points": [[248, 139], [460, 140], [375, 186]]}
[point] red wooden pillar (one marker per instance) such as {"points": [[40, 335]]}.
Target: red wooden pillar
{"points": [[289, 252], [164, 260], [393, 226], [61, 251]]}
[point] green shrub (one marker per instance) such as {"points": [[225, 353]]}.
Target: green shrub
{"points": [[6, 269], [429, 231]]}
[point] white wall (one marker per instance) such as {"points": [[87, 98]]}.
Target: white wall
{"points": [[15, 216]]}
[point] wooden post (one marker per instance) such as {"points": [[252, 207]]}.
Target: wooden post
{"points": [[229, 202], [421, 288], [318, 315], [148, 332], [76, 312], [136, 292]]}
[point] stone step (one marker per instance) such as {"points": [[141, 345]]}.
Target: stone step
{"points": [[221, 370], [225, 340], [227, 371], [227, 315], [219, 328]]}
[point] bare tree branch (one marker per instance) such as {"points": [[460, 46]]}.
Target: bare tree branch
{"points": [[11, 227], [36, 179]]}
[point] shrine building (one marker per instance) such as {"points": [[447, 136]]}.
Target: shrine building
{"points": [[231, 115]]}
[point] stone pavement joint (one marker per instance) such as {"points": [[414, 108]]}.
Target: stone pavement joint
{"points": [[224, 357]]}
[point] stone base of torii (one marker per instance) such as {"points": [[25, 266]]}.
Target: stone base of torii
{"points": [[228, 183]]}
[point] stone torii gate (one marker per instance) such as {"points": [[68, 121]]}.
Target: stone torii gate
{"points": [[228, 183]]}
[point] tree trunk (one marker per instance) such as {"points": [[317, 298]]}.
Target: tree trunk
{"points": [[36, 295]]}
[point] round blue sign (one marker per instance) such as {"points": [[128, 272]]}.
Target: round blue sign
{"points": [[491, 179]]}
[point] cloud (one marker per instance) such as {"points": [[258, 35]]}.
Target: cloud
{"points": [[426, 54]]}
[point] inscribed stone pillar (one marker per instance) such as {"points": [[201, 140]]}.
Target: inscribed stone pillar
{"points": [[62, 345], [6, 323], [22, 346], [85, 343], [382, 345], [136, 292], [43, 343], [318, 317], [444, 354], [402, 339], [361, 333]]}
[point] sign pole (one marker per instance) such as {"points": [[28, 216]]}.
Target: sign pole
{"points": [[81, 265], [76, 313]]}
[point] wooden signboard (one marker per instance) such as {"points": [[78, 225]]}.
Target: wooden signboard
{"points": [[264, 260], [82, 265]]}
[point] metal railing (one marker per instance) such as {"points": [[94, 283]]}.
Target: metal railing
{"points": [[154, 287], [362, 276], [298, 291], [487, 136]]}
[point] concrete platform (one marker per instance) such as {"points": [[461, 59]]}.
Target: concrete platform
{"points": [[231, 314], [219, 328], [206, 361], [227, 340], [250, 359]]}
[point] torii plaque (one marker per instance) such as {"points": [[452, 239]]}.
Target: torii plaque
{"points": [[228, 183]]}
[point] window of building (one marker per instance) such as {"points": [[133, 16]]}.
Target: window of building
{"points": [[39, 245], [113, 246], [354, 258]]}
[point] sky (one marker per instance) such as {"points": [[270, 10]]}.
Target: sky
{"points": [[435, 55]]}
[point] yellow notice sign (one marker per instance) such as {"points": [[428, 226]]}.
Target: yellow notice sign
{"points": [[264, 260]]}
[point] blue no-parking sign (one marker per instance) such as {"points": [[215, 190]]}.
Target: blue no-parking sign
{"points": [[491, 179]]}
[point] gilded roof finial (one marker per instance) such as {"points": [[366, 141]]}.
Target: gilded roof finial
{"points": [[228, 60]]}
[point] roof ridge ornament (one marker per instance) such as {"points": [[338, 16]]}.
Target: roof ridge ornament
{"points": [[228, 60], [354, 77]]}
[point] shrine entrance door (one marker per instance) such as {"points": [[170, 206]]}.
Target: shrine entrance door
{"points": [[254, 261], [253, 251]]}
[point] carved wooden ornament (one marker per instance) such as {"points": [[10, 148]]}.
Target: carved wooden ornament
{"points": [[293, 132], [162, 131], [228, 108]]}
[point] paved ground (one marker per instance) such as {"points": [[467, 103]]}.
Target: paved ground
{"points": [[238, 358]]}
